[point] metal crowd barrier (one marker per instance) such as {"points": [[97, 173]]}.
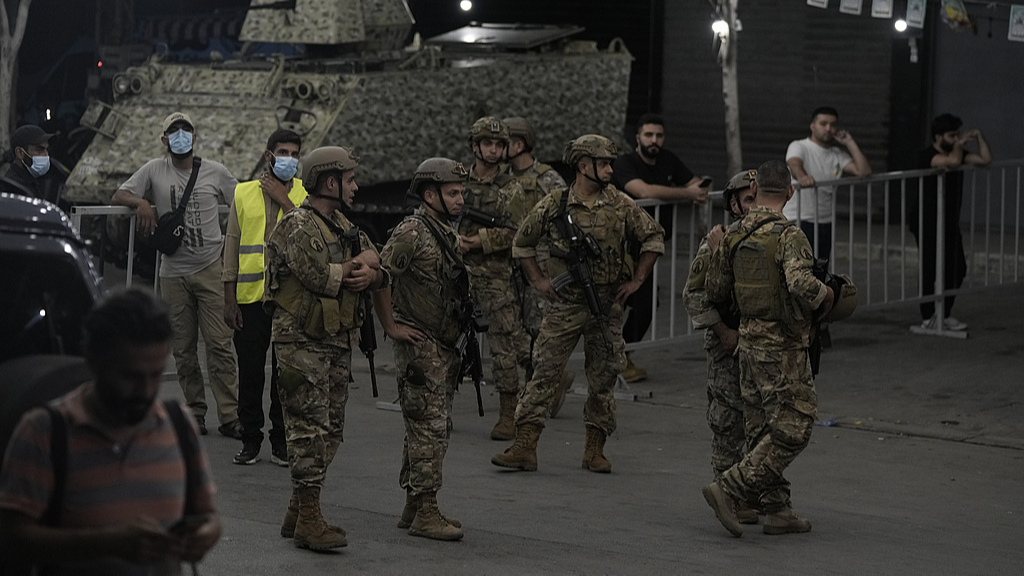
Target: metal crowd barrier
{"points": [[871, 241]]}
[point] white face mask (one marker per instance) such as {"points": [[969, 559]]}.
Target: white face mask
{"points": [[180, 142], [40, 165], [285, 167]]}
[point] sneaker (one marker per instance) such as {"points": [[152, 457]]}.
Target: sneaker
{"points": [[953, 324], [201, 423], [232, 429], [279, 454], [250, 454]]}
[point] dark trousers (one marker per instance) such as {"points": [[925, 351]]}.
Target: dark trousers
{"points": [[824, 241], [251, 344], [641, 304], [954, 265]]}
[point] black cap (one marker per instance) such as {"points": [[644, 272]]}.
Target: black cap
{"points": [[29, 134]]}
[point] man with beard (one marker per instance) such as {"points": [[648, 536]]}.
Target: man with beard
{"points": [[98, 482], [315, 278], [255, 212], [947, 151], [190, 279], [488, 257], [652, 172]]}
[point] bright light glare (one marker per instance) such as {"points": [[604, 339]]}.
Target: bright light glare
{"points": [[466, 5], [901, 25], [48, 114], [720, 27]]}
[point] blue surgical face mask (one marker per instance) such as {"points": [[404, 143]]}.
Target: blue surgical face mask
{"points": [[285, 167], [40, 165], [180, 142]]}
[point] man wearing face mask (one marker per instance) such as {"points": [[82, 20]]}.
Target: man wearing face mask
{"points": [[315, 281], [255, 212], [30, 173], [190, 279]]}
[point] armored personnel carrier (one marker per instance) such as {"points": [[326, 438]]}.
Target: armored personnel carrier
{"points": [[360, 82]]}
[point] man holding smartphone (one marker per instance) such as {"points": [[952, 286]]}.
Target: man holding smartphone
{"points": [[651, 171]]}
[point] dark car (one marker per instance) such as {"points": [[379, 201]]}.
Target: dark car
{"points": [[47, 284]]}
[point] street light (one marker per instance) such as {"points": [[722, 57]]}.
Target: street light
{"points": [[901, 25], [466, 5], [720, 27]]}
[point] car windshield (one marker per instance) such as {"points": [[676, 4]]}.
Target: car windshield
{"points": [[44, 300]]}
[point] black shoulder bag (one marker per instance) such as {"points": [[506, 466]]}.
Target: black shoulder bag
{"points": [[170, 228]]}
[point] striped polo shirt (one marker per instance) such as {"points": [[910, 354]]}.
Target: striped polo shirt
{"points": [[115, 474]]}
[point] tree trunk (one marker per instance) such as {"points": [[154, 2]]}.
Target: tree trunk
{"points": [[730, 92], [10, 42]]}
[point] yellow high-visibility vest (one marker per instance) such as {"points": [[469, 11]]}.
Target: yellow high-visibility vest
{"points": [[252, 220]]}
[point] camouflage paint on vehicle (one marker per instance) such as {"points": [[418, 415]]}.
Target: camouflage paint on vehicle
{"points": [[395, 107]]}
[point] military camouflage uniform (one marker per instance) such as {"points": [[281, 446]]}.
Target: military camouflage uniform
{"points": [[775, 371], [315, 325], [613, 220], [427, 372], [725, 405], [537, 180], [490, 271]]}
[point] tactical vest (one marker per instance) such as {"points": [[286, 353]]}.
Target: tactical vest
{"points": [[758, 286], [432, 307], [479, 199], [607, 272], [251, 210], [530, 181], [321, 316]]}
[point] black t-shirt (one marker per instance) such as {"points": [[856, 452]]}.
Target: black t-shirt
{"points": [[953, 190], [668, 170]]}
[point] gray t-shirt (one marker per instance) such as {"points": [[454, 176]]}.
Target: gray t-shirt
{"points": [[162, 184]]}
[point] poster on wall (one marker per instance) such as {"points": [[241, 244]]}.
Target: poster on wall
{"points": [[1016, 23], [851, 7], [915, 13], [881, 8], [955, 15], [818, 3]]}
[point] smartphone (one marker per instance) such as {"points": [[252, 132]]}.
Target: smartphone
{"points": [[188, 524], [705, 182]]}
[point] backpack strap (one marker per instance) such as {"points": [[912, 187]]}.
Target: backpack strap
{"points": [[59, 461], [189, 450]]}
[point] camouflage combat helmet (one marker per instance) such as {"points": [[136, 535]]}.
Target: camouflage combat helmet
{"points": [[738, 183], [521, 128], [589, 145], [440, 170], [327, 158], [488, 127], [845, 297]]}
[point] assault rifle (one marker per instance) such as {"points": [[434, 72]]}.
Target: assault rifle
{"points": [[820, 271], [582, 247], [485, 219], [471, 322], [367, 331]]}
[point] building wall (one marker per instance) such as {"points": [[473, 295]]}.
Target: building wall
{"points": [[792, 58]]}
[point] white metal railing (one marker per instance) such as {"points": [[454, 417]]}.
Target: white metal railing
{"points": [[870, 240]]}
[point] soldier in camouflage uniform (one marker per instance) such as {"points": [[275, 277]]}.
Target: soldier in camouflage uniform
{"points": [[314, 282], [488, 257], [764, 265], [609, 218], [418, 313], [725, 404], [537, 180]]}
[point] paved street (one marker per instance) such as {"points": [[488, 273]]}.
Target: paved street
{"points": [[922, 473]]}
